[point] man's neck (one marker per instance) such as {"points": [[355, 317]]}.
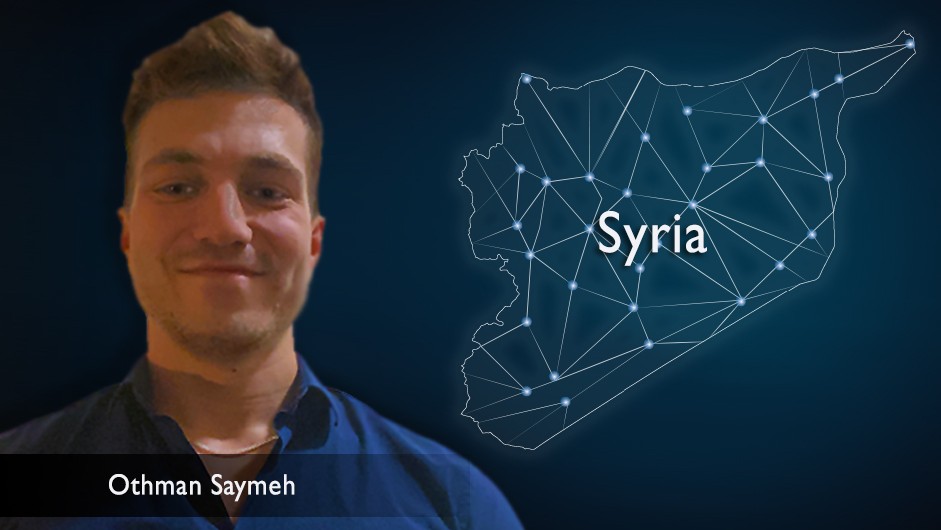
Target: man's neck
{"points": [[225, 402]]}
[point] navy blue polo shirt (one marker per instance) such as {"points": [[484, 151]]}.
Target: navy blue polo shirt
{"points": [[352, 467]]}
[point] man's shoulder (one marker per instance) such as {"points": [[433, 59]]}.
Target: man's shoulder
{"points": [[481, 502], [62, 430]]}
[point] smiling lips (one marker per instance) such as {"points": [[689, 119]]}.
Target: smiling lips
{"points": [[220, 269]]}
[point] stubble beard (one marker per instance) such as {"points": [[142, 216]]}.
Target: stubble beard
{"points": [[239, 338], [235, 341]]}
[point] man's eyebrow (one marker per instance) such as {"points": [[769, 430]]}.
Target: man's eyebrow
{"points": [[273, 161], [174, 156]]}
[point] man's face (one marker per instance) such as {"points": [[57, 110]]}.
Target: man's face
{"points": [[219, 237]]}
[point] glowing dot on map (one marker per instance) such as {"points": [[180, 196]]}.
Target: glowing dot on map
{"points": [[762, 119], [627, 193], [589, 229], [828, 176], [760, 162], [526, 391], [530, 254], [645, 137], [527, 322], [553, 376], [517, 225], [693, 205], [838, 79], [632, 307], [565, 402], [779, 266], [706, 168], [589, 176], [573, 285], [814, 93], [527, 79], [687, 111], [546, 181], [811, 234], [648, 344], [910, 44], [639, 268], [740, 301], [520, 168]]}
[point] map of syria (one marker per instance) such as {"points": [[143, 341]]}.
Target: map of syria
{"points": [[637, 220]]}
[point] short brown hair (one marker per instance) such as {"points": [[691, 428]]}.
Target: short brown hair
{"points": [[224, 53]]}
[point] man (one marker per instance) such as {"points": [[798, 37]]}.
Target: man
{"points": [[222, 232]]}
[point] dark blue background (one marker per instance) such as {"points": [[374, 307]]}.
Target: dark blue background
{"points": [[820, 410]]}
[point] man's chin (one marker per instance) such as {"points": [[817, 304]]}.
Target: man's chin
{"points": [[227, 338]]}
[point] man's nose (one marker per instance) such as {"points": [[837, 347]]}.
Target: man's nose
{"points": [[221, 219]]}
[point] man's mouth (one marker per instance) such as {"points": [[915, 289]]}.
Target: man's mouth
{"points": [[220, 269]]}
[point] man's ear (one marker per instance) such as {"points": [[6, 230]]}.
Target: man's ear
{"points": [[316, 237], [125, 235]]}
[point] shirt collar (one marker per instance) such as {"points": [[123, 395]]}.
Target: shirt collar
{"points": [[305, 399], [306, 384]]}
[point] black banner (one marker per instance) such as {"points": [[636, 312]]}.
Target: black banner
{"points": [[288, 485]]}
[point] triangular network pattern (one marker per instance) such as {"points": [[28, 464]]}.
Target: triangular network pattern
{"points": [[755, 161]]}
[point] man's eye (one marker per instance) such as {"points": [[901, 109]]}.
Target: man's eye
{"points": [[269, 194], [177, 189]]}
